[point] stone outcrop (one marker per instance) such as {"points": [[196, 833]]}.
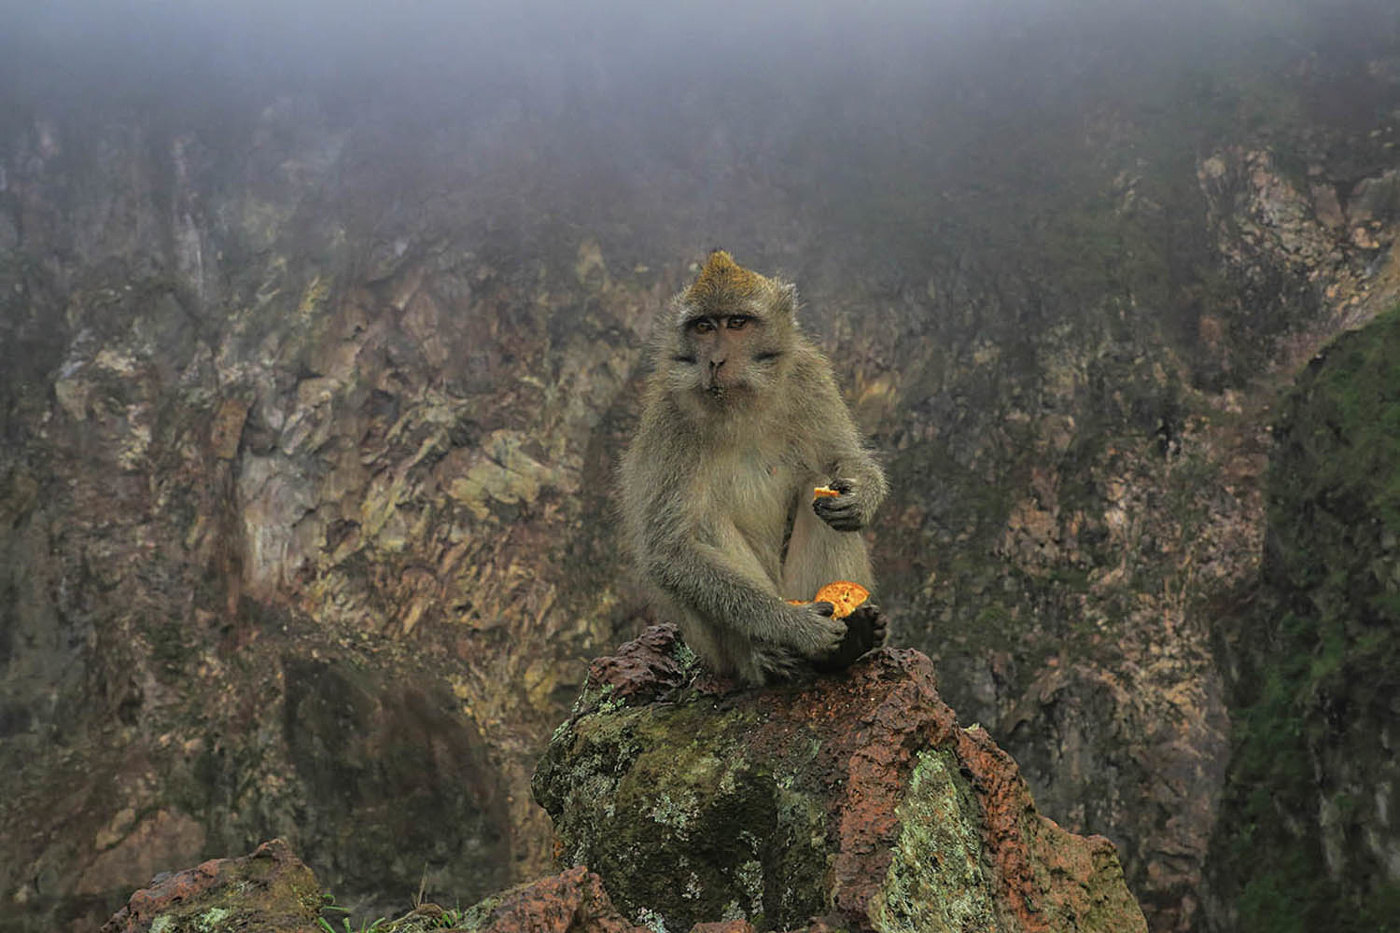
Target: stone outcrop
{"points": [[855, 800], [571, 902], [272, 891]]}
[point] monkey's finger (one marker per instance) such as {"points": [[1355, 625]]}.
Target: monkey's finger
{"points": [[844, 522], [835, 502], [830, 509], [824, 608], [866, 608], [869, 613]]}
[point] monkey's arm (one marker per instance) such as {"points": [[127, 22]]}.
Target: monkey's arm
{"points": [[859, 480], [833, 448], [705, 579]]}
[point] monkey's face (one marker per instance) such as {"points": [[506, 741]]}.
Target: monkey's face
{"points": [[726, 357]]}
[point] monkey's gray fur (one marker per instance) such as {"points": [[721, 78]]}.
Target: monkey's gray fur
{"points": [[742, 419]]}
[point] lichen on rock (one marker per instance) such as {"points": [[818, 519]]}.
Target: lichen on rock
{"points": [[271, 891]]}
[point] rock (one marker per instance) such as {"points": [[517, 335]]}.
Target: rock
{"points": [[642, 669], [857, 800], [269, 891], [1375, 199], [571, 902]]}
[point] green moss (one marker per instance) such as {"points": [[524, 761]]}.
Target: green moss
{"points": [[1323, 644], [720, 836], [209, 921], [937, 880]]}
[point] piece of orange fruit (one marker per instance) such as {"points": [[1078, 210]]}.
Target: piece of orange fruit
{"points": [[843, 594]]}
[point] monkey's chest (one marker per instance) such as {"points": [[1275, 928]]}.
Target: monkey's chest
{"points": [[762, 493]]}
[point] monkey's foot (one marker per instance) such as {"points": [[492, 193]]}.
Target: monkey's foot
{"points": [[865, 631], [774, 663], [707, 681]]}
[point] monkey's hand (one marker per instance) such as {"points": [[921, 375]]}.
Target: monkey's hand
{"points": [[812, 631], [849, 510]]}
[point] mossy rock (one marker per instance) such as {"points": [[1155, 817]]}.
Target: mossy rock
{"points": [[855, 799]]}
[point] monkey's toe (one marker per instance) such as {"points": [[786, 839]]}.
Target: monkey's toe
{"points": [[879, 628], [865, 629]]}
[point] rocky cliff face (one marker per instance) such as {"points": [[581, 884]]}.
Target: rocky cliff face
{"points": [[1085, 536], [293, 528], [308, 413], [1309, 800], [1105, 522]]}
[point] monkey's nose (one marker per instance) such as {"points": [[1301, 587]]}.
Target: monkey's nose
{"points": [[715, 386]]}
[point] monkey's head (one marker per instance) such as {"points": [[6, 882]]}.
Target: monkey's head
{"points": [[729, 338]]}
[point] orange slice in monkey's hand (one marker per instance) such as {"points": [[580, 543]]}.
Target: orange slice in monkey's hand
{"points": [[843, 594], [822, 491]]}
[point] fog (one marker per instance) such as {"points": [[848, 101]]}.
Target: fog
{"points": [[430, 48], [650, 115], [634, 61], [551, 57]]}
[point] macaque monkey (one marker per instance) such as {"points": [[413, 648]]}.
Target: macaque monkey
{"points": [[742, 420]]}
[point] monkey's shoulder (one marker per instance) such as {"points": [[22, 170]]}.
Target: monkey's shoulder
{"points": [[812, 372]]}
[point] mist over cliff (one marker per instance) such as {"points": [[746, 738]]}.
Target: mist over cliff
{"points": [[851, 121]]}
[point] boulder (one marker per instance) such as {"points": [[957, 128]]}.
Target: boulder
{"points": [[855, 801], [271, 891]]}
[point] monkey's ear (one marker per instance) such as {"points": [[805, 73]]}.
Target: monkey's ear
{"points": [[785, 299], [678, 310]]}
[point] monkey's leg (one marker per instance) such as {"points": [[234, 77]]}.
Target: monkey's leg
{"points": [[818, 555]]}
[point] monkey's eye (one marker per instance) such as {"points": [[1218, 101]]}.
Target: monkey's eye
{"points": [[702, 325], [737, 321]]}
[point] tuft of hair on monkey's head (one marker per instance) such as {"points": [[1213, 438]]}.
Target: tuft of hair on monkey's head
{"points": [[724, 286], [723, 282]]}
